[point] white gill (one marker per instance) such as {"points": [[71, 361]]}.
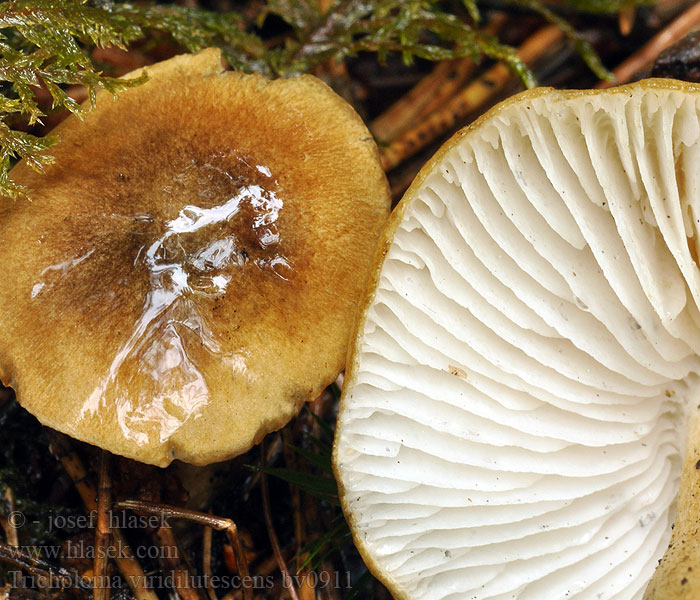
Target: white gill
{"points": [[514, 425]]}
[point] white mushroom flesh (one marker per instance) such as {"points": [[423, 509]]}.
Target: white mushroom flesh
{"points": [[514, 428]]}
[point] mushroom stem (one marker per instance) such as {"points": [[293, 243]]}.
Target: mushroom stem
{"points": [[483, 89], [102, 532], [678, 574], [228, 526], [124, 557]]}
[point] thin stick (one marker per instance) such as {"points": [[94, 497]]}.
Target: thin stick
{"points": [[306, 584], [7, 524], [42, 569], [123, 555], [641, 59], [17, 593], [295, 496], [625, 19], [102, 532], [121, 60], [430, 92], [228, 526], [398, 117], [403, 177], [62, 450], [170, 556], [332, 591], [206, 560], [274, 541], [474, 96], [269, 564], [271, 452]]}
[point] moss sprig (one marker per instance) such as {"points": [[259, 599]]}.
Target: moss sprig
{"points": [[48, 43], [412, 28]]}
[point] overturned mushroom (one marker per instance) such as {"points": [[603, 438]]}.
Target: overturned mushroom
{"points": [[185, 274], [526, 365]]}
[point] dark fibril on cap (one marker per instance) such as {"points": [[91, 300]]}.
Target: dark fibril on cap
{"points": [[514, 419], [185, 275]]}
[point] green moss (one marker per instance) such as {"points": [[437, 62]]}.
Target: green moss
{"points": [[47, 42]]}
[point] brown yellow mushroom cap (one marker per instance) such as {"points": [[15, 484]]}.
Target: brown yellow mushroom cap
{"points": [[185, 275]]}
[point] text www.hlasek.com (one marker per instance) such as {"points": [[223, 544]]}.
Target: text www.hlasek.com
{"points": [[60, 578], [84, 550]]}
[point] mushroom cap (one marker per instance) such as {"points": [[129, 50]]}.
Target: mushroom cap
{"points": [[513, 417], [186, 274]]}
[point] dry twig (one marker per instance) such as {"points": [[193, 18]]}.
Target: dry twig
{"points": [[646, 55], [9, 527], [474, 96], [170, 557], [5, 394], [124, 557], [228, 526], [626, 19], [429, 94], [403, 177], [121, 61], [102, 531], [46, 574], [295, 497], [206, 560], [306, 588], [271, 452], [274, 541]]}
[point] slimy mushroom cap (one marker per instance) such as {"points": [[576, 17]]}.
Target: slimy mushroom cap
{"points": [[184, 276]]}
